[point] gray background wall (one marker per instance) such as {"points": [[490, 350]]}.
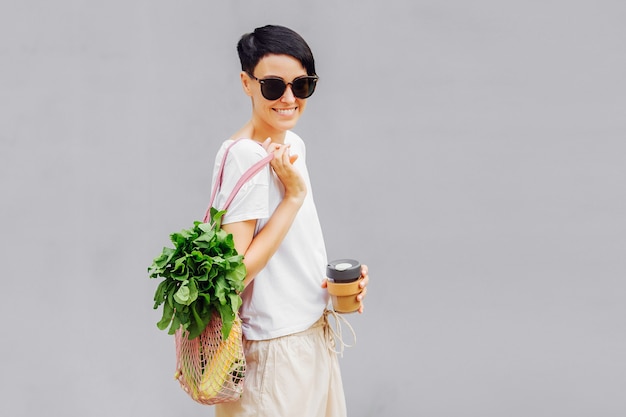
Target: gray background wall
{"points": [[485, 189]]}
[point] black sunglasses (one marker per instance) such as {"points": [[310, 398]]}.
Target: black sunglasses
{"points": [[273, 88]]}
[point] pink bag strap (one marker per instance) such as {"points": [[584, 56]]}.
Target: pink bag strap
{"points": [[250, 172]]}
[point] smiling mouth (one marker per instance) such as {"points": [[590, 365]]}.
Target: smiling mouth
{"points": [[286, 112]]}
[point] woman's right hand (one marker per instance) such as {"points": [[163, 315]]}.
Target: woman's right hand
{"points": [[282, 164]]}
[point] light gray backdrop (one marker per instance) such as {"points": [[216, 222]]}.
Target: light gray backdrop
{"points": [[472, 153]]}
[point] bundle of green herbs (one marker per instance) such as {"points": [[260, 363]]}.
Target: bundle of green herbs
{"points": [[203, 275]]}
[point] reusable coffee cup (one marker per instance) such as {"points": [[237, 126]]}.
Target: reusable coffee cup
{"points": [[343, 284]]}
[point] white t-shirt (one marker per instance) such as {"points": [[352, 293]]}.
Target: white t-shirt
{"points": [[286, 296]]}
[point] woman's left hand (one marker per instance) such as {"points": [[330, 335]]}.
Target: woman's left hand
{"points": [[365, 279]]}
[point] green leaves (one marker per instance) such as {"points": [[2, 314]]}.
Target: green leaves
{"points": [[187, 293], [202, 274]]}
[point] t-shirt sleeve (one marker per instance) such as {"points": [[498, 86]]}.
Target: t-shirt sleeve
{"points": [[251, 202]]}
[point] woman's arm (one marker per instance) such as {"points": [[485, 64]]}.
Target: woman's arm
{"points": [[258, 250]]}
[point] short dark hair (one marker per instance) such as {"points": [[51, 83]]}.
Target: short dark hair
{"points": [[273, 39]]}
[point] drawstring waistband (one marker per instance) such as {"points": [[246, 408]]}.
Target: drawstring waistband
{"points": [[334, 335]]}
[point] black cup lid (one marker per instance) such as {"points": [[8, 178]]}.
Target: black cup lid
{"points": [[343, 270]]}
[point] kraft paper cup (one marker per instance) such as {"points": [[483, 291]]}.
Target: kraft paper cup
{"points": [[343, 296], [343, 284]]}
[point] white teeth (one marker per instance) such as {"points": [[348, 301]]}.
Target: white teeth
{"points": [[285, 111]]}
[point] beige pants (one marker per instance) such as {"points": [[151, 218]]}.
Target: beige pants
{"points": [[295, 375]]}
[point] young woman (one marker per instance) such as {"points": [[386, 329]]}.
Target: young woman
{"points": [[292, 366]]}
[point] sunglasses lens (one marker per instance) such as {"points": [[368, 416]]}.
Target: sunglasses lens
{"points": [[273, 89], [304, 87]]}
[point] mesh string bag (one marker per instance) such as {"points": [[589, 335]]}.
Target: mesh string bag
{"points": [[210, 369]]}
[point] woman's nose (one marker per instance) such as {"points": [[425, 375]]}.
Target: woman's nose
{"points": [[288, 96]]}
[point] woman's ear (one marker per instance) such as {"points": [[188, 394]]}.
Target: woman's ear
{"points": [[245, 83]]}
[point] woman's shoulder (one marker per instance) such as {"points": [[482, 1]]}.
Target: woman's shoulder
{"points": [[295, 141], [292, 137]]}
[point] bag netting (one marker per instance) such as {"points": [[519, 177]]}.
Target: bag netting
{"points": [[211, 370]]}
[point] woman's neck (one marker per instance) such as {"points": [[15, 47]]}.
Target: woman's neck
{"points": [[257, 133]]}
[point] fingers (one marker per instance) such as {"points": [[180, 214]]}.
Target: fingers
{"points": [[278, 162], [363, 285], [283, 153], [280, 151], [365, 276], [282, 163], [361, 295]]}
